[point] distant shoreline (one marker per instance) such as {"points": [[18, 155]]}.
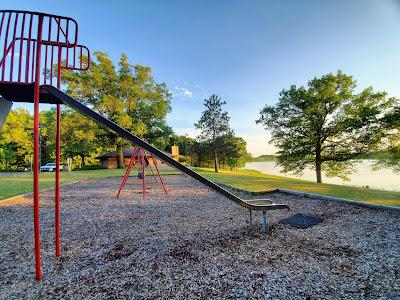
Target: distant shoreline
{"points": [[383, 179]]}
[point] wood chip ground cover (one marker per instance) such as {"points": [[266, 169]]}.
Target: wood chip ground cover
{"points": [[193, 243]]}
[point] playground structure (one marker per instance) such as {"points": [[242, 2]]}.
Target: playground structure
{"points": [[139, 154], [35, 48]]}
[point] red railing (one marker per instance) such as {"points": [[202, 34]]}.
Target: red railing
{"points": [[19, 31], [18, 68]]}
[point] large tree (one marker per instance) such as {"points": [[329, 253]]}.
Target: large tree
{"points": [[326, 125], [127, 95], [213, 123]]}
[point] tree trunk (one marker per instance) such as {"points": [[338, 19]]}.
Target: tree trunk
{"points": [[318, 171], [215, 157], [120, 160], [318, 163], [83, 160]]}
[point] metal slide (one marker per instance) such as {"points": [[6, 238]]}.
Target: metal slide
{"points": [[56, 94]]}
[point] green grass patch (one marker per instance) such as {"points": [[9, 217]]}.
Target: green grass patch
{"points": [[254, 181], [22, 183]]}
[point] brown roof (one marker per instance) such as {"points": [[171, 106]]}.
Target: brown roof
{"points": [[127, 154]]}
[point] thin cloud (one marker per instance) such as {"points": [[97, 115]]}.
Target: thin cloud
{"points": [[189, 131], [182, 91]]}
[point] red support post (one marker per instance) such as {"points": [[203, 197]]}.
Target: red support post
{"points": [[128, 170], [148, 165], [143, 176], [57, 225], [158, 172], [36, 200]]}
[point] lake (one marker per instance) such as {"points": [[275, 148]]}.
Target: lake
{"points": [[383, 179]]}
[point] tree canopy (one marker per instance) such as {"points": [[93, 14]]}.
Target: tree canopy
{"points": [[127, 95], [391, 154], [16, 139], [326, 124]]}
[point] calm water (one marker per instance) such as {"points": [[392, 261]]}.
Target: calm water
{"points": [[382, 179]]}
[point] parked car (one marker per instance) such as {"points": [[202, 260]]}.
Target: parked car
{"points": [[50, 167]]}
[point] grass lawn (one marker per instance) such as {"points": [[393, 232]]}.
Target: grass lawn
{"points": [[21, 183], [254, 180]]}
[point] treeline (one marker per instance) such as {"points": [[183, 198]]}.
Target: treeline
{"points": [[199, 153], [264, 157], [83, 140], [126, 94]]}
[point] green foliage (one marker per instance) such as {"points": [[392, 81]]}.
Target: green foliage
{"points": [[16, 145], [47, 135], [391, 156], [264, 157], [159, 133], [79, 136], [128, 96], [232, 153], [213, 124], [326, 125], [184, 142]]}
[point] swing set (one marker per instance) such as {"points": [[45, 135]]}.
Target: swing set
{"points": [[144, 161]]}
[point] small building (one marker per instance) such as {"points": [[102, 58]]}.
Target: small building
{"points": [[109, 160]]}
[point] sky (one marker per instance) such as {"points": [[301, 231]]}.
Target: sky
{"points": [[244, 51]]}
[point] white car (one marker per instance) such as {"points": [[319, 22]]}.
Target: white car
{"points": [[50, 167]]}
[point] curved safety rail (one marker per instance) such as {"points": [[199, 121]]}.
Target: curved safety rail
{"points": [[22, 35]]}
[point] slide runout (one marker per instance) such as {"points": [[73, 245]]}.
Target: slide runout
{"points": [[68, 100]]}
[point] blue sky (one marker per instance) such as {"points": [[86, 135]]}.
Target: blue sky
{"points": [[244, 51]]}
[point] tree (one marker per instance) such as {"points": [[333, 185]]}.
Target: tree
{"points": [[16, 139], [129, 95], [47, 135], [203, 153], [326, 125], [78, 135], [234, 151], [213, 124]]}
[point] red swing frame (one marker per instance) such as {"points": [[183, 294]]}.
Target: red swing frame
{"points": [[140, 154]]}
